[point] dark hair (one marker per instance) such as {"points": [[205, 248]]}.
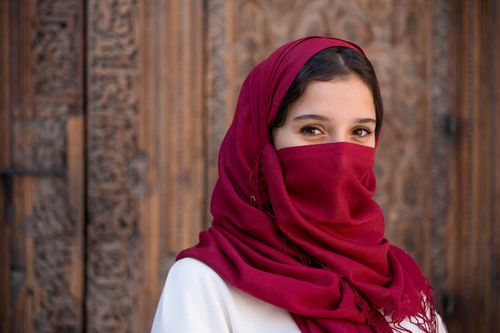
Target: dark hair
{"points": [[326, 65]]}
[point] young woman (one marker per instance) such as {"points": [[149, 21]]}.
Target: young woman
{"points": [[296, 242]]}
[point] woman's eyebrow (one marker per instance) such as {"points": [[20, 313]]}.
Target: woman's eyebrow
{"points": [[311, 116], [365, 120]]}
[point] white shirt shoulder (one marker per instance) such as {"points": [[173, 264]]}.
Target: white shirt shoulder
{"points": [[195, 299]]}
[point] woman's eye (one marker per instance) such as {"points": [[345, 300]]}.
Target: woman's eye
{"points": [[361, 132], [310, 130]]}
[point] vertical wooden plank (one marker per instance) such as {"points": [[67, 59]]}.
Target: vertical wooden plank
{"points": [[217, 87], [170, 135], [23, 207], [116, 167], [182, 145], [42, 87], [494, 96], [56, 224], [5, 40], [489, 254], [452, 299], [473, 279], [443, 146], [483, 63], [57, 127], [426, 149], [460, 318], [75, 182], [20, 108], [148, 133], [5, 219]]}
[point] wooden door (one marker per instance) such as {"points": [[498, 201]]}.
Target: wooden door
{"points": [[112, 112], [42, 262]]}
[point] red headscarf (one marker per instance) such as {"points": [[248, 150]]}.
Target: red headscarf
{"points": [[316, 251]]}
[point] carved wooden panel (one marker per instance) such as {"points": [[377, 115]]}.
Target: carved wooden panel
{"points": [[44, 217], [56, 130], [145, 151], [396, 37], [115, 167]]}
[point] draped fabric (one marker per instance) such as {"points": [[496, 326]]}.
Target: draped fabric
{"points": [[298, 227]]}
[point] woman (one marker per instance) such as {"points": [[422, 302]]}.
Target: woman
{"points": [[296, 243]]}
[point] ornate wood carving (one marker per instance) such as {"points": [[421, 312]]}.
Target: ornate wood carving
{"points": [[146, 178], [56, 225], [396, 39], [45, 220], [217, 102], [115, 166]]}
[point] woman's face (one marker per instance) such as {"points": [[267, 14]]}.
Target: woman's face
{"points": [[340, 110]]}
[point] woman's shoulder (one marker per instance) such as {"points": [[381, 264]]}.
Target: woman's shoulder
{"points": [[192, 282], [192, 300], [192, 271], [195, 290]]}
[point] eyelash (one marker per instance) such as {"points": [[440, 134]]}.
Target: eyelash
{"points": [[368, 132], [304, 131]]}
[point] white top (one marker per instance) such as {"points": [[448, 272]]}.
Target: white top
{"points": [[196, 299]]}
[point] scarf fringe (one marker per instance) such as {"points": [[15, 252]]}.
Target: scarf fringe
{"points": [[422, 315]]}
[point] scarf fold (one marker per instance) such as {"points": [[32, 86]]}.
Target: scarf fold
{"points": [[298, 228]]}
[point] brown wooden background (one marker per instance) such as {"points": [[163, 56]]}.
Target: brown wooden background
{"points": [[111, 116]]}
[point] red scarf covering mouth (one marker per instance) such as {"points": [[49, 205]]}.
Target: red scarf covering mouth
{"points": [[298, 228]]}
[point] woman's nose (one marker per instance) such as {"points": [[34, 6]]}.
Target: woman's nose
{"points": [[338, 138]]}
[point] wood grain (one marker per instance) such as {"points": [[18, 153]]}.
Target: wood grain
{"points": [[171, 133], [115, 164], [5, 135], [43, 75], [121, 107], [473, 274]]}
